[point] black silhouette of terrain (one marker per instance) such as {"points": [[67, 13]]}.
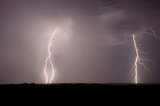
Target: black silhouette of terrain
{"points": [[82, 89], [78, 85]]}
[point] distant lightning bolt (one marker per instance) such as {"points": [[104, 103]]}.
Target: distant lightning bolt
{"points": [[138, 60], [154, 33], [151, 31], [48, 59]]}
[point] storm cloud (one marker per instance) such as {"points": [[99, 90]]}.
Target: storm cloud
{"points": [[93, 43]]}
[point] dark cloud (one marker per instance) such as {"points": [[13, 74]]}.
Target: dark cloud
{"points": [[93, 43]]}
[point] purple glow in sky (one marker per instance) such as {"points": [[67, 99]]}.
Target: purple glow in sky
{"points": [[93, 44]]}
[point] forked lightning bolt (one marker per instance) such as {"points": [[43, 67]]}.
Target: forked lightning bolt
{"points": [[135, 67], [138, 60], [48, 59]]}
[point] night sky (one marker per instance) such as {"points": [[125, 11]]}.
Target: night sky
{"points": [[93, 43]]}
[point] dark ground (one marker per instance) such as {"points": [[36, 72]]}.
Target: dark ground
{"points": [[80, 90], [79, 85]]}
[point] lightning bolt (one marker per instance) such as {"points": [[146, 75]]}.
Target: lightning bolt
{"points": [[151, 31], [154, 33], [138, 60], [48, 59]]}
